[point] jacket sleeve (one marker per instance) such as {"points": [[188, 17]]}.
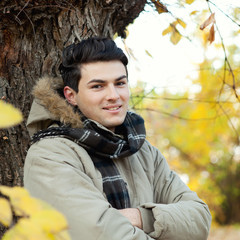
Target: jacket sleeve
{"points": [[177, 212], [54, 173]]}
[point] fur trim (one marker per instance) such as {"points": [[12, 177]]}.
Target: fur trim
{"points": [[46, 94]]}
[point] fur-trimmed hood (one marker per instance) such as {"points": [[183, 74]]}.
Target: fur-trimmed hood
{"points": [[48, 106]]}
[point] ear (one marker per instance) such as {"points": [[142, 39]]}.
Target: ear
{"points": [[70, 95]]}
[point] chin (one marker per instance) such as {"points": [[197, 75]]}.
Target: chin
{"points": [[113, 125]]}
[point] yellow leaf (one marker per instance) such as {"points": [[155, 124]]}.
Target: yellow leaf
{"points": [[189, 1], [63, 235], [193, 12], [13, 191], [5, 212], [9, 116], [44, 225], [167, 30], [23, 204], [25, 229], [148, 53], [115, 36], [51, 221], [39, 220], [182, 23], [175, 37], [126, 32]]}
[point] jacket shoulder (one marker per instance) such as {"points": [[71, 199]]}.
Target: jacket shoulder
{"points": [[58, 149], [150, 154]]}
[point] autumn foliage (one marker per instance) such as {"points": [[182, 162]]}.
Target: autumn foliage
{"points": [[29, 218], [199, 135], [199, 132], [25, 217]]}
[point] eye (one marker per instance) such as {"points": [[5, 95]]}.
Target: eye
{"points": [[121, 83], [97, 86]]}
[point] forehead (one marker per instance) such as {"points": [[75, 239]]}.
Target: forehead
{"points": [[103, 69]]}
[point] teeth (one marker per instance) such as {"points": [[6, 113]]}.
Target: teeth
{"points": [[111, 109]]}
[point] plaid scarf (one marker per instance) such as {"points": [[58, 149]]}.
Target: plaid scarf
{"points": [[103, 146]]}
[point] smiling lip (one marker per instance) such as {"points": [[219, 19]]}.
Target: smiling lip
{"points": [[112, 108]]}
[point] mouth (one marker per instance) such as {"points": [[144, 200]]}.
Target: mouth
{"points": [[112, 108]]}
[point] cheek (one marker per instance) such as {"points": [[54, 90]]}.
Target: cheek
{"points": [[86, 109], [124, 92], [126, 96], [87, 102]]}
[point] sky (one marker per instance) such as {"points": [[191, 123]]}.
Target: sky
{"points": [[173, 67]]}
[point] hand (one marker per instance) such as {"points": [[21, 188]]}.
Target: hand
{"points": [[133, 215]]}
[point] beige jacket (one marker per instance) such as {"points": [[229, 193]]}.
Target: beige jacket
{"points": [[61, 172]]}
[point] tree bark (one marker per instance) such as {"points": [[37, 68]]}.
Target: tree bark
{"points": [[32, 36]]}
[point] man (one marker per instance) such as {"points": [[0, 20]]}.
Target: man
{"points": [[89, 157]]}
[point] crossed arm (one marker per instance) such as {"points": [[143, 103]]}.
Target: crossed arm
{"points": [[133, 215], [177, 212]]}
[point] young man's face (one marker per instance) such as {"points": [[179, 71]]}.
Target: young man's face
{"points": [[103, 92]]}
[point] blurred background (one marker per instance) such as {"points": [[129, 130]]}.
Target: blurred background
{"points": [[185, 82]]}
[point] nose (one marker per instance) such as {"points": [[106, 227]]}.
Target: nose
{"points": [[112, 93]]}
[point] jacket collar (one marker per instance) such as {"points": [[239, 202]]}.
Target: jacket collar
{"points": [[49, 106]]}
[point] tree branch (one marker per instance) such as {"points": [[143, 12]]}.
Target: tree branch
{"points": [[176, 116], [231, 123], [182, 99], [226, 61], [224, 13]]}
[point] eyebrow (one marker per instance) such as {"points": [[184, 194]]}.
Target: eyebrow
{"points": [[103, 81]]}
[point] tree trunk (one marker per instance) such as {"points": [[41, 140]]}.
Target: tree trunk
{"points": [[32, 36]]}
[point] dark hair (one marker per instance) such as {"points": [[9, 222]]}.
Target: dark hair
{"points": [[89, 50]]}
